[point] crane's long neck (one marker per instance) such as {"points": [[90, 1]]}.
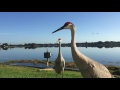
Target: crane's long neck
{"points": [[79, 59], [59, 54], [73, 38]]}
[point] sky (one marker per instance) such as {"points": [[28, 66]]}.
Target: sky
{"points": [[37, 27]]}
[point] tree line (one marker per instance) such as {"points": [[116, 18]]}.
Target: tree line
{"points": [[99, 44]]}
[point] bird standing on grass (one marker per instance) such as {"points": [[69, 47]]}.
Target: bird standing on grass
{"points": [[59, 62], [88, 67]]}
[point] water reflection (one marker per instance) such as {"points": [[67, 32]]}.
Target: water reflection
{"points": [[107, 56]]}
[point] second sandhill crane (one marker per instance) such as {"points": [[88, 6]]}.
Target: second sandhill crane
{"points": [[59, 62]]}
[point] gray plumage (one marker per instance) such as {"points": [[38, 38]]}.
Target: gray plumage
{"points": [[88, 67], [59, 62]]}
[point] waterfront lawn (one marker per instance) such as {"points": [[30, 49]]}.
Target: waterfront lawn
{"points": [[8, 71]]}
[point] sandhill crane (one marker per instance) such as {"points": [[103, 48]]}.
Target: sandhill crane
{"points": [[59, 62], [88, 67]]}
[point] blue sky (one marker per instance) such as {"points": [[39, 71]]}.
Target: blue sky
{"points": [[37, 27]]}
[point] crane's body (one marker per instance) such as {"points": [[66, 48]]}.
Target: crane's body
{"points": [[59, 62], [88, 67]]}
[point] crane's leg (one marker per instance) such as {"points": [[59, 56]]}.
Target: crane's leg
{"points": [[56, 75], [62, 72]]}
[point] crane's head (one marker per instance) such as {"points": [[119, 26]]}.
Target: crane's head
{"points": [[59, 40], [67, 25]]}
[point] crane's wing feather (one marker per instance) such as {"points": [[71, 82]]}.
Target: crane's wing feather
{"points": [[98, 70]]}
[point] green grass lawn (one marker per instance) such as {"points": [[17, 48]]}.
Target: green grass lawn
{"points": [[7, 71]]}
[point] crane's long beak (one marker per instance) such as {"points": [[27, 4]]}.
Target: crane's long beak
{"points": [[58, 29]]}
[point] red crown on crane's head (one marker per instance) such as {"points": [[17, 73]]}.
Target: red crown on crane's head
{"points": [[67, 23], [59, 39]]}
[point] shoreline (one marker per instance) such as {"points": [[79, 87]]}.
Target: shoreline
{"points": [[114, 70]]}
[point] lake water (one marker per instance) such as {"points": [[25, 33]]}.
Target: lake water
{"points": [[106, 56]]}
